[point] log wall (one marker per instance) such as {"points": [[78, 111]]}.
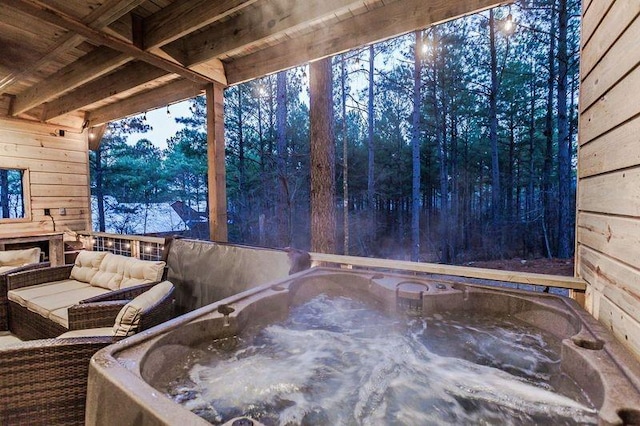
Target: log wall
{"points": [[608, 210], [58, 175]]}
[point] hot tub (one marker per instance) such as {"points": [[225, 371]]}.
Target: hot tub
{"points": [[334, 346]]}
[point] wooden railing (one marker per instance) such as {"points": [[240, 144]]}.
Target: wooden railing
{"points": [[151, 248], [571, 283]]}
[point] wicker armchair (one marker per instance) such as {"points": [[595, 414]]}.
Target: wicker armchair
{"points": [[4, 302], [44, 381]]}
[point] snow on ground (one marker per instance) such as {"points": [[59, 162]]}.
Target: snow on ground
{"points": [[137, 218]]}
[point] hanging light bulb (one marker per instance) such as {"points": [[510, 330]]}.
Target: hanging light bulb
{"points": [[426, 48], [168, 112], [509, 24], [144, 118], [262, 92]]}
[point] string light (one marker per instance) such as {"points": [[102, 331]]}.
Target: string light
{"points": [[168, 112], [426, 48], [509, 24]]}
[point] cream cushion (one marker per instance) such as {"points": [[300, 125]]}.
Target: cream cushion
{"points": [[110, 272], [128, 318], [138, 272], [7, 339], [86, 265], [60, 316], [87, 332], [46, 304], [116, 272], [21, 295], [4, 269], [17, 258]]}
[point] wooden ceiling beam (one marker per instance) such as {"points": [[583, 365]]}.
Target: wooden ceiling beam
{"points": [[170, 93], [181, 18], [109, 11], [62, 20], [271, 18], [132, 75], [379, 24], [106, 13], [92, 65]]}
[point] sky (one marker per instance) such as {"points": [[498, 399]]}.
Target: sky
{"points": [[164, 125]]}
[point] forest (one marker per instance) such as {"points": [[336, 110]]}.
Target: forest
{"points": [[453, 143]]}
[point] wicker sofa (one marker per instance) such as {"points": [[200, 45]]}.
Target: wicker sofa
{"points": [[48, 302], [12, 261], [44, 382]]}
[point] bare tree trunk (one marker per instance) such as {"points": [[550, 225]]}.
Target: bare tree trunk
{"points": [[284, 211], [345, 159], [548, 133], [565, 246], [323, 188], [370, 147], [415, 149], [493, 127], [241, 170], [440, 120], [510, 178], [532, 123]]}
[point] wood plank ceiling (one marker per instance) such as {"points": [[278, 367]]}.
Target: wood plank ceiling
{"points": [[83, 63]]}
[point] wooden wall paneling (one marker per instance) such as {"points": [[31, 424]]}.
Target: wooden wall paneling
{"points": [[22, 131], [621, 58], [623, 327], [57, 176], [616, 237], [47, 178], [608, 201], [30, 152], [616, 281], [43, 141], [57, 202], [616, 193], [592, 15], [42, 165], [612, 109], [618, 149], [614, 23], [41, 190]]}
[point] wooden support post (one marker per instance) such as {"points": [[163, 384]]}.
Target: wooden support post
{"points": [[216, 163]]}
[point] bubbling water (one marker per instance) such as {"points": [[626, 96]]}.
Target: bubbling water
{"points": [[337, 361]]}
